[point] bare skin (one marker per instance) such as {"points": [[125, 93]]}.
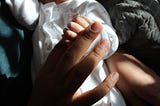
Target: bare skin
{"points": [[138, 83], [65, 70], [133, 90]]}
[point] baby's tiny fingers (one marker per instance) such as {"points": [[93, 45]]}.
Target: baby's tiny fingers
{"points": [[70, 35], [75, 27], [84, 22]]}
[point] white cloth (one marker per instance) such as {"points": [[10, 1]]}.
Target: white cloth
{"points": [[52, 18]]}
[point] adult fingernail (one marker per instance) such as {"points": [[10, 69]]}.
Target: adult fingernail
{"points": [[115, 77], [104, 44], [95, 27]]}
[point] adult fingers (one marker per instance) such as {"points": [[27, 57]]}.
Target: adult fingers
{"points": [[56, 54], [81, 71], [92, 96], [73, 54]]}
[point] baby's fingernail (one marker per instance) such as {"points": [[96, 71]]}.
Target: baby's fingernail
{"points": [[65, 29]]}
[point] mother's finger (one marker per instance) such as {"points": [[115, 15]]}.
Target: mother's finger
{"points": [[73, 55], [92, 96], [81, 71], [56, 54]]}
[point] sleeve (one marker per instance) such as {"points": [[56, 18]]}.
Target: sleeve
{"points": [[96, 12], [26, 12]]}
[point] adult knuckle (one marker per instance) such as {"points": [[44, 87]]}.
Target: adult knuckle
{"points": [[107, 88], [69, 56], [88, 35], [97, 52]]}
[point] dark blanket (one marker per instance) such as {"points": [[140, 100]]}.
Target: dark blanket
{"points": [[137, 24], [15, 55]]}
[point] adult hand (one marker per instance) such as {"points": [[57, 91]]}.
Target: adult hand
{"points": [[138, 83], [65, 70]]}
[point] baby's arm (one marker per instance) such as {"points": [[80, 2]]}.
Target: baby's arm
{"points": [[25, 11], [138, 83]]}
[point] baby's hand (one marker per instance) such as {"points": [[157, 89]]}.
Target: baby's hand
{"points": [[80, 25], [76, 26]]}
